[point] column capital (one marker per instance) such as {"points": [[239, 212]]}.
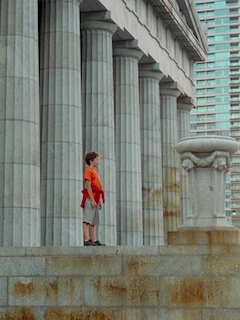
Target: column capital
{"points": [[127, 48], [99, 25], [96, 16], [150, 70], [127, 52], [170, 89], [186, 103]]}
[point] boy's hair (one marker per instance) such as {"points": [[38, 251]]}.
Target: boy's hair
{"points": [[90, 156]]}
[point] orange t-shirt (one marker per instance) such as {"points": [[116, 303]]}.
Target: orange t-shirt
{"points": [[93, 176]]}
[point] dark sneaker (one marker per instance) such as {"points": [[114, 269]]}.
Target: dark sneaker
{"points": [[89, 243], [98, 243]]}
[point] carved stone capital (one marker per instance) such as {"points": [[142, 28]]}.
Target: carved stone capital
{"points": [[219, 160]]}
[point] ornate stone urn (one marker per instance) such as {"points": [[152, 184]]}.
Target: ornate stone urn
{"points": [[207, 160]]}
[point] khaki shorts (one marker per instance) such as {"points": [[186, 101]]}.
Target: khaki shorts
{"points": [[90, 215]]}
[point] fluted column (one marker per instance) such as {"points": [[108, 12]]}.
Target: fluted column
{"points": [[98, 107], [184, 107], [151, 156], [61, 131], [128, 150], [171, 180], [19, 124]]}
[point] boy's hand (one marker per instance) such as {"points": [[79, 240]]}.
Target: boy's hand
{"points": [[94, 204], [100, 205]]}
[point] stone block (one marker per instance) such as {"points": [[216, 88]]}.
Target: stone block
{"points": [[21, 313], [141, 314], [84, 265], [210, 292], [83, 314], [122, 291], [139, 265], [220, 314], [4, 291], [221, 265], [133, 250], [22, 266], [12, 251], [181, 266], [180, 314], [204, 237], [42, 291], [183, 250]]}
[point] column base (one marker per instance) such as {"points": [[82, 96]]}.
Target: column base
{"points": [[205, 237]]}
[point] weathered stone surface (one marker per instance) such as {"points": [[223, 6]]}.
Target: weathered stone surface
{"points": [[83, 314], [143, 265], [46, 291], [182, 282], [220, 314], [214, 292], [141, 313], [122, 291], [201, 237], [21, 266], [3, 295], [21, 313], [219, 265], [180, 314], [84, 265]]}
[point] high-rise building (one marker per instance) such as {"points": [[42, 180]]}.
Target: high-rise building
{"points": [[217, 84]]}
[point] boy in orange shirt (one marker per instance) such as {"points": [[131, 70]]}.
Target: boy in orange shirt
{"points": [[93, 196]]}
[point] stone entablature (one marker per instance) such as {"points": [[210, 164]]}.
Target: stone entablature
{"points": [[174, 48]]}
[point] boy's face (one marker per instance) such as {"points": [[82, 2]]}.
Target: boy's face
{"points": [[95, 162]]}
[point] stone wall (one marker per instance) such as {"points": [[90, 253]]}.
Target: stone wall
{"points": [[182, 282]]}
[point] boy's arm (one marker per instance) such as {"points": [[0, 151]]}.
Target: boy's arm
{"points": [[89, 189]]}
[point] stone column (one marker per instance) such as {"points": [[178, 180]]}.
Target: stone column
{"points": [[61, 123], [128, 148], [207, 160], [171, 181], [19, 124], [98, 115], [184, 107], [151, 155]]}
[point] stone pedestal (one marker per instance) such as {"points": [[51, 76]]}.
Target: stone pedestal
{"points": [[207, 160]]}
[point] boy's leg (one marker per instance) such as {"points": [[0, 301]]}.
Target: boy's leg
{"points": [[92, 230], [86, 232]]}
